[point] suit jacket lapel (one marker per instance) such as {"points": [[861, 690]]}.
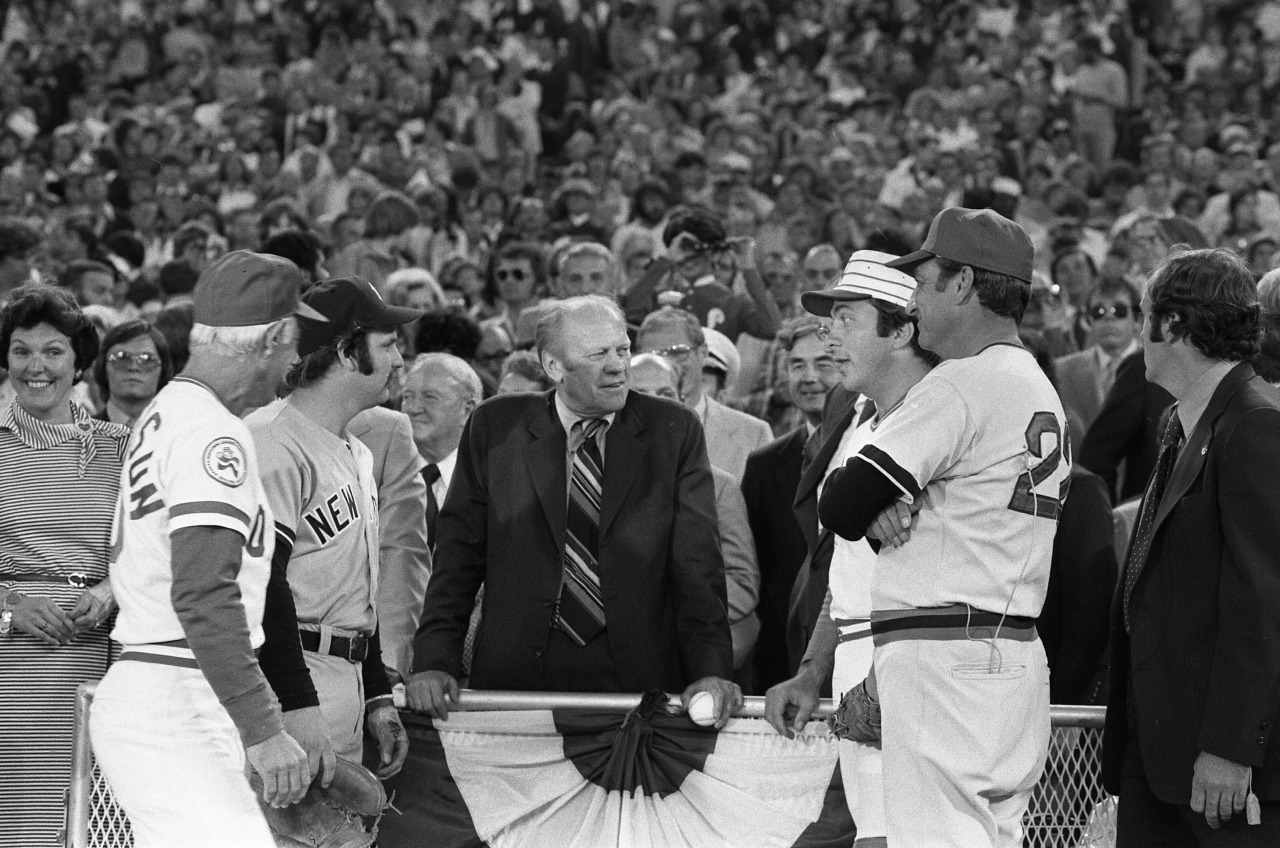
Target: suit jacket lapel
{"points": [[830, 443], [1191, 457], [546, 459], [624, 453]]}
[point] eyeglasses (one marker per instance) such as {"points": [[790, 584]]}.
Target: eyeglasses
{"points": [[516, 274], [1116, 310], [144, 361], [679, 352]]}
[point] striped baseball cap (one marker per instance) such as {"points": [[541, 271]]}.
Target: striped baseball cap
{"points": [[866, 276]]}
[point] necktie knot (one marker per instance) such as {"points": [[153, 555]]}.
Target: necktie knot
{"points": [[587, 429], [431, 473]]}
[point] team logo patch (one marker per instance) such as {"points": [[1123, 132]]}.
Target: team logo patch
{"points": [[224, 461]]}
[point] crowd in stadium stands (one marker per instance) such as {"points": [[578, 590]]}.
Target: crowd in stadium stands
{"points": [[703, 162]]}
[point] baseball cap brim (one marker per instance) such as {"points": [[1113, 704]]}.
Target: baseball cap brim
{"points": [[391, 316], [821, 303], [912, 260]]}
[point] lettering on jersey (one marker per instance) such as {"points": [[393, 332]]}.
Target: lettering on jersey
{"points": [[224, 461], [256, 545], [142, 493], [151, 423], [716, 318], [336, 514], [1025, 499]]}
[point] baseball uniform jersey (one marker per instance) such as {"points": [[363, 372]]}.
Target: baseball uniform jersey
{"points": [[189, 463], [982, 443], [325, 503], [170, 748]]}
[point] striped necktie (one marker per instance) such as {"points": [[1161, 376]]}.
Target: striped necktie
{"points": [[580, 607], [1150, 504]]}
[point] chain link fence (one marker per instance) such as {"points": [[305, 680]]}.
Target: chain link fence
{"points": [[1069, 808]]}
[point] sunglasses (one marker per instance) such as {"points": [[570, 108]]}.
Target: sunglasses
{"points": [[1117, 310], [516, 274], [144, 361]]}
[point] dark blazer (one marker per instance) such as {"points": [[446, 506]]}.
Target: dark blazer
{"points": [[1075, 620], [503, 524], [810, 588], [769, 486], [1126, 430], [1202, 659]]}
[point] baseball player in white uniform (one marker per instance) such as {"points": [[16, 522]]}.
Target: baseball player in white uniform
{"points": [[961, 485], [174, 720], [323, 654], [873, 340]]}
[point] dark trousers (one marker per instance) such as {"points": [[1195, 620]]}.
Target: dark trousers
{"points": [[1147, 822]]}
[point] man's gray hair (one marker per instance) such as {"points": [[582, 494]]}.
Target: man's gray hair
{"points": [[553, 314], [670, 316], [586, 248], [464, 378]]}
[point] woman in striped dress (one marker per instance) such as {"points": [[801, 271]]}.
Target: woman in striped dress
{"points": [[59, 476]]}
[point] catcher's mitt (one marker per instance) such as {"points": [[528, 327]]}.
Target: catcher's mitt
{"points": [[857, 717], [343, 816]]}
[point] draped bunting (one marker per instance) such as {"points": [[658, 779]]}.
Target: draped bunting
{"points": [[587, 779]]}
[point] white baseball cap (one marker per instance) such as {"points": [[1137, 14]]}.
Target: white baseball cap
{"points": [[722, 354], [865, 277]]}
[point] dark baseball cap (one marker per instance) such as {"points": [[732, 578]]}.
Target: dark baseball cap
{"points": [[980, 238], [345, 304], [243, 289]]}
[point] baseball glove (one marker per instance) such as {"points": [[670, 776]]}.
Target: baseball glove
{"points": [[857, 717], [343, 816]]}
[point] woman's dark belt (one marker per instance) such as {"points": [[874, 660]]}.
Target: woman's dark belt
{"points": [[76, 579]]}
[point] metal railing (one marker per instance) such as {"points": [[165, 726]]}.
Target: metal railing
{"points": [[1063, 812]]}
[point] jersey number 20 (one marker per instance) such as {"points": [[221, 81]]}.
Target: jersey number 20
{"points": [[1025, 499]]}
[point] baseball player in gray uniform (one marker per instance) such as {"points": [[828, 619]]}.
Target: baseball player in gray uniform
{"points": [[962, 486], [174, 721], [322, 654]]}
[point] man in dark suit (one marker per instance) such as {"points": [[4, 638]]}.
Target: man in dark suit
{"points": [[588, 512], [810, 586], [769, 485], [1084, 378], [1127, 430], [1195, 625]]}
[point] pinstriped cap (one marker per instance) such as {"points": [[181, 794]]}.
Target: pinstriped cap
{"points": [[866, 276]]}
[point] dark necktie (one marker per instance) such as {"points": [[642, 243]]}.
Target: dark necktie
{"points": [[580, 608], [431, 474], [1169, 444]]}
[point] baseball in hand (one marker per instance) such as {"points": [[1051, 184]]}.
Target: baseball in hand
{"points": [[702, 709]]}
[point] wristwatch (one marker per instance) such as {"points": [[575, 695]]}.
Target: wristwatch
{"points": [[6, 615]]}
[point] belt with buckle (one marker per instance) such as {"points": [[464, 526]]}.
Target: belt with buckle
{"points": [[352, 649], [76, 579]]}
